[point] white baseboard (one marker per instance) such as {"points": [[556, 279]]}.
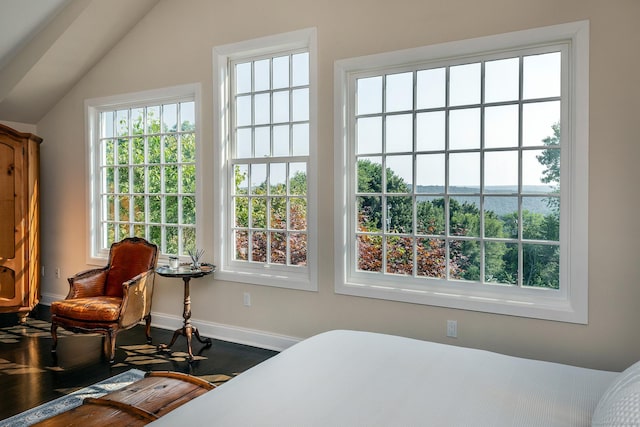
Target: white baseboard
{"points": [[235, 334]]}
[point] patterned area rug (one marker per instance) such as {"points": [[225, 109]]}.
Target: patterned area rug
{"points": [[137, 355], [72, 400], [31, 328]]}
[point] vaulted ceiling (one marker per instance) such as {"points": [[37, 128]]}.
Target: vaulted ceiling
{"points": [[46, 46]]}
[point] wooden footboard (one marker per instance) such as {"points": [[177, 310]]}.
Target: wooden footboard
{"points": [[136, 404]]}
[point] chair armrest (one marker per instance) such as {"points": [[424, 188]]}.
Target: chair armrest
{"points": [[89, 283], [136, 298]]}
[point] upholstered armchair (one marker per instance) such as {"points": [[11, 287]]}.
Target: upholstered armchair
{"points": [[112, 298]]}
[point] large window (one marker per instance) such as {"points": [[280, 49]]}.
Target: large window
{"points": [[143, 157], [454, 194], [266, 234]]}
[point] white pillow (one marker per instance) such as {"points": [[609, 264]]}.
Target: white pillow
{"points": [[620, 404]]}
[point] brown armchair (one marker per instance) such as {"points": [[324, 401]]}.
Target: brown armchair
{"points": [[112, 298]]}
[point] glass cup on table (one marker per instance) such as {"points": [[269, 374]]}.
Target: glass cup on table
{"points": [[174, 263]]}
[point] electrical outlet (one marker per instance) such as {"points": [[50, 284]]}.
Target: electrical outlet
{"points": [[57, 272], [42, 270], [452, 328], [246, 299]]}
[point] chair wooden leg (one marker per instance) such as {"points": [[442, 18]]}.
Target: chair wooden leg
{"points": [[106, 344], [147, 330], [109, 346], [54, 337]]}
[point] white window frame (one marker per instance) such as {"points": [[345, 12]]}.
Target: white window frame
{"points": [[296, 277], [93, 107], [570, 302]]}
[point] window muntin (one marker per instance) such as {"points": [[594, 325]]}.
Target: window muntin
{"points": [[466, 194], [265, 100], [144, 158], [269, 159], [447, 167]]}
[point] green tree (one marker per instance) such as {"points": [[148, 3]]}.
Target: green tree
{"points": [[399, 211], [129, 150], [430, 216], [550, 159], [465, 221], [541, 261], [267, 245]]}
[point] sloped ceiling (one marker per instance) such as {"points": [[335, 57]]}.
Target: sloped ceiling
{"points": [[59, 44], [20, 20]]}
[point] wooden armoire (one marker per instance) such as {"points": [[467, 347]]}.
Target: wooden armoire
{"points": [[19, 221]]}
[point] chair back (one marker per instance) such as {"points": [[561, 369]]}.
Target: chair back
{"points": [[127, 259]]}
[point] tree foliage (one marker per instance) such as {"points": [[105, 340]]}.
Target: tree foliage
{"points": [[273, 219], [388, 241], [385, 226], [150, 180]]}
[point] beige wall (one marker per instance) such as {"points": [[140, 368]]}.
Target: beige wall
{"points": [[173, 45]]}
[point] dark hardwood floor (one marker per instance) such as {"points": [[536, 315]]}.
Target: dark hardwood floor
{"points": [[31, 375]]}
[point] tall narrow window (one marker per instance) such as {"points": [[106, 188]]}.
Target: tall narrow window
{"points": [[457, 175], [269, 159], [269, 174], [144, 155]]}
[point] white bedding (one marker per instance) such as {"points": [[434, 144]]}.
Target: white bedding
{"points": [[348, 378]]}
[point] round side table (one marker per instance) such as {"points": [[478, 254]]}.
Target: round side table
{"points": [[186, 273]]}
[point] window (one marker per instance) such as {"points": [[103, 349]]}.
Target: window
{"points": [[454, 155], [143, 161], [266, 199]]}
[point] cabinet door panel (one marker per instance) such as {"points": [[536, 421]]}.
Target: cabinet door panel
{"points": [[19, 221], [7, 201], [7, 283]]}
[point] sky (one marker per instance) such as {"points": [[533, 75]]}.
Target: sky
{"points": [[539, 102]]}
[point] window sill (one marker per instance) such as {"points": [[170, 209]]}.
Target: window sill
{"points": [[544, 304], [268, 277]]}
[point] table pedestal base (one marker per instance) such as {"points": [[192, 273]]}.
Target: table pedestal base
{"points": [[187, 330]]}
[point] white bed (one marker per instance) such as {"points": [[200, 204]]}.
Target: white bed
{"points": [[348, 378]]}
